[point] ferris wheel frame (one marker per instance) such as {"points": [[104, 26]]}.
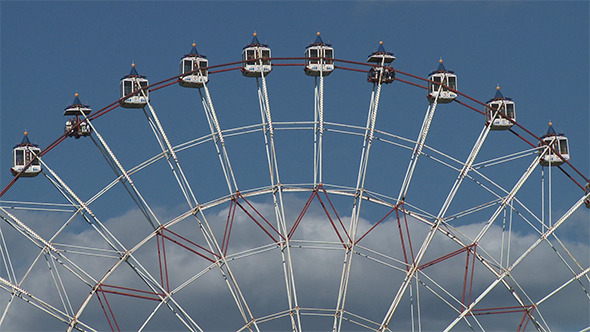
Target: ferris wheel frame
{"points": [[216, 253]]}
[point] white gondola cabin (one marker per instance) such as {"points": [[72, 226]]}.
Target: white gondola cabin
{"points": [[134, 83], [319, 58], [441, 82], [503, 105], [559, 143], [77, 126], [24, 154], [382, 72], [256, 59], [193, 67]]}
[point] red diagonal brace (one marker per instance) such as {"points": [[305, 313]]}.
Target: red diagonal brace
{"points": [[109, 311], [256, 221], [336, 213], [332, 222], [187, 247], [300, 217], [228, 226], [407, 230], [527, 314], [132, 292], [162, 262], [377, 223], [401, 236], [315, 194], [445, 257], [501, 310]]}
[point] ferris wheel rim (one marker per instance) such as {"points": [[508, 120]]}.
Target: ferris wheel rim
{"points": [[175, 79]]}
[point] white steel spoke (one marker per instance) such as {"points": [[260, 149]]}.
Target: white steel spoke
{"points": [[167, 298], [277, 195], [508, 199], [109, 238], [455, 237], [36, 206], [170, 155], [217, 137], [151, 315], [98, 226], [61, 290], [543, 198], [506, 273], [6, 258], [356, 207], [25, 230], [419, 146], [46, 249], [509, 240], [318, 129], [439, 219], [412, 318], [40, 304], [471, 210], [149, 281], [571, 256], [418, 307], [574, 278], [176, 168], [550, 206], [505, 158], [570, 269], [119, 170], [86, 251], [212, 243]]}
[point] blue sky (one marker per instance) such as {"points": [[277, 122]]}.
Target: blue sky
{"points": [[537, 51]]}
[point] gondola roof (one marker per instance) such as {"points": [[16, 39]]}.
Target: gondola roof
{"points": [[498, 96], [194, 53], [133, 73], [319, 42], [380, 51], [76, 103], [25, 141], [551, 132], [255, 42], [441, 69]]}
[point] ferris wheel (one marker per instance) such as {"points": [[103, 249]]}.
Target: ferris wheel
{"points": [[297, 225]]}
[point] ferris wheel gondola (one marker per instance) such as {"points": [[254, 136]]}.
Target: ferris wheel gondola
{"points": [[558, 141], [319, 58], [500, 104], [134, 83], [256, 59], [24, 154], [441, 84], [382, 71], [76, 127], [194, 65]]}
